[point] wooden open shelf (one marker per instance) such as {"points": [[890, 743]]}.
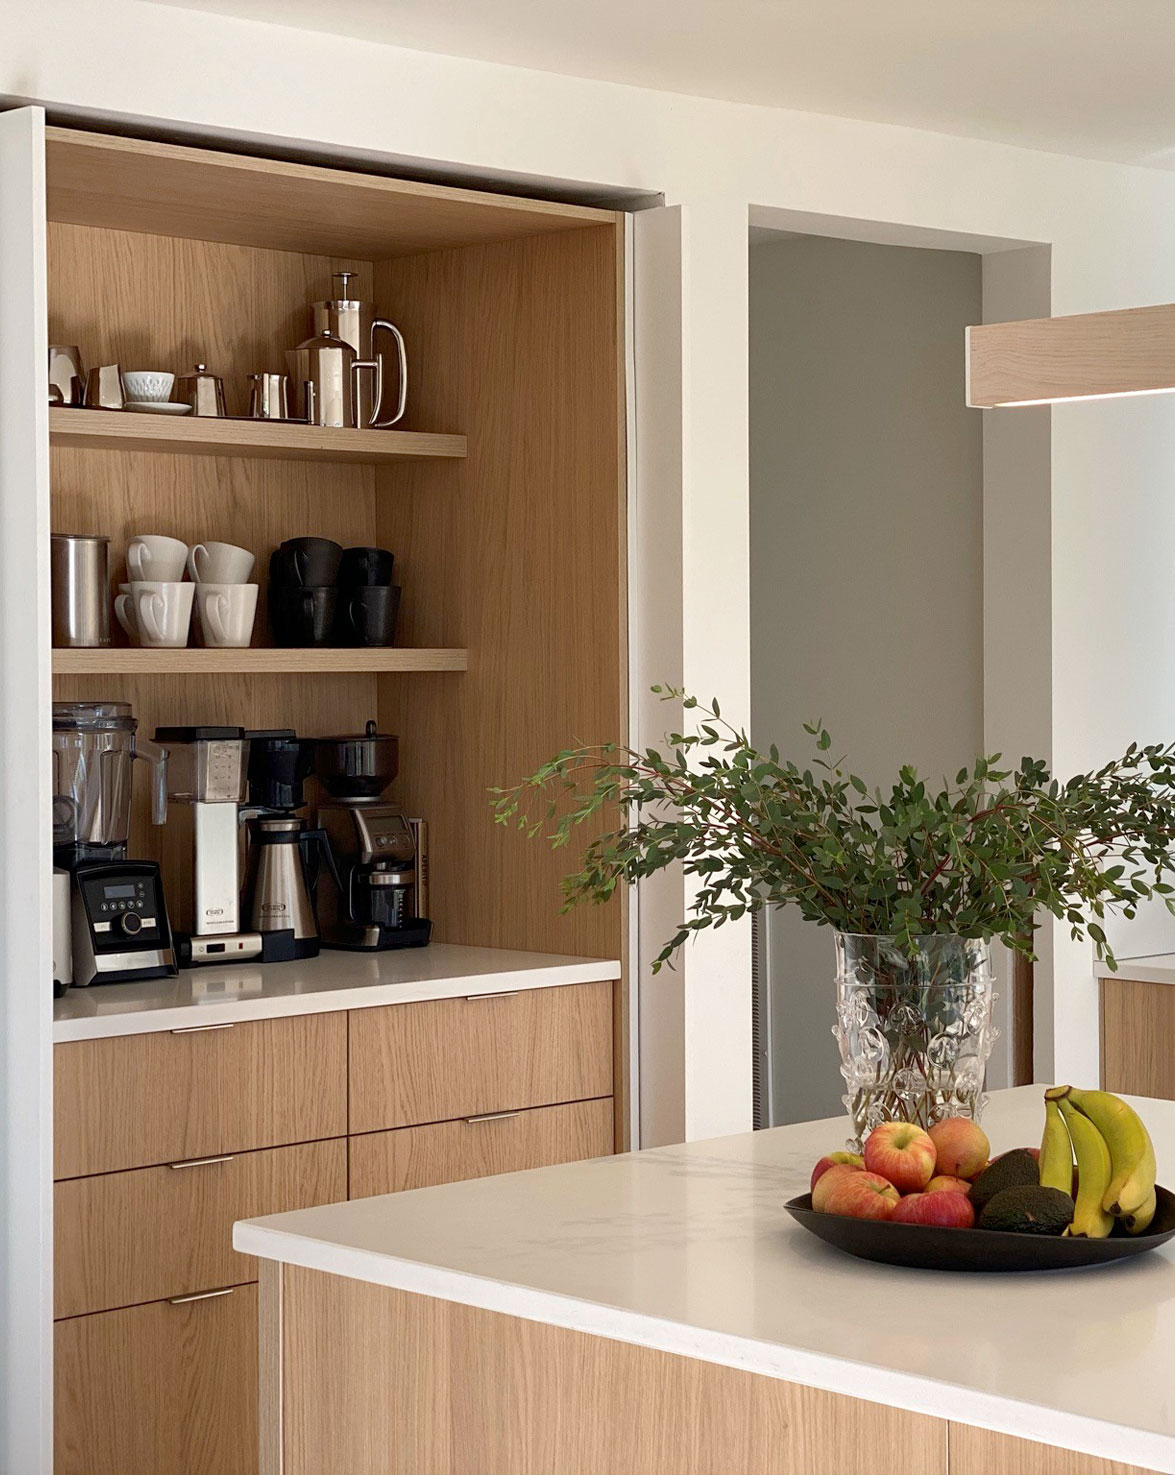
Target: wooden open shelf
{"points": [[124, 430], [194, 661]]}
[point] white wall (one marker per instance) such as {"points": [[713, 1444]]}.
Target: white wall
{"points": [[1111, 229], [866, 555]]}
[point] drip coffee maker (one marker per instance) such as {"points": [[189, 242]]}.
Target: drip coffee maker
{"points": [[379, 893], [119, 928]]}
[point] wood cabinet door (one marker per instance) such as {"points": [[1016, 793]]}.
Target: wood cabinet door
{"points": [[1138, 1026], [980, 1452], [476, 1147], [138, 1100], [125, 1238], [159, 1389], [431, 1062]]}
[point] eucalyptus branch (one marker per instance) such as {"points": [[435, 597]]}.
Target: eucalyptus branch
{"points": [[985, 857]]}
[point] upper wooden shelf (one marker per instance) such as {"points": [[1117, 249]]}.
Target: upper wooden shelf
{"points": [[254, 660], [192, 435], [200, 194]]}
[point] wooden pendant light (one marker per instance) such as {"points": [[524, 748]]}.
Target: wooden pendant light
{"points": [[1093, 355]]}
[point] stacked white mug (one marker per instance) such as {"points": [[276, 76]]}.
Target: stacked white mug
{"points": [[155, 608], [226, 603]]}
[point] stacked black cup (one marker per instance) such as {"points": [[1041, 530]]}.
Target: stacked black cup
{"points": [[321, 594]]}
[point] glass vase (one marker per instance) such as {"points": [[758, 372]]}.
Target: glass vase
{"points": [[914, 1029]]}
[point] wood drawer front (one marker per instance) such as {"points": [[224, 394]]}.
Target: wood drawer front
{"points": [[431, 1062], [159, 1390], [1138, 1027], [137, 1100], [447, 1152], [124, 1238]]}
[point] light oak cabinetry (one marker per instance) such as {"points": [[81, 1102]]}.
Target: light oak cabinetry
{"points": [[502, 1142], [1138, 1037], [485, 1053], [161, 1389]]}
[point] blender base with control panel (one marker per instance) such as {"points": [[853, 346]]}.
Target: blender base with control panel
{"points": [[377, 899], [119, 929]]}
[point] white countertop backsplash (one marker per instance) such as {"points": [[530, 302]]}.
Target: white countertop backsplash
{"points": [[688, 1249], [235, 992]]}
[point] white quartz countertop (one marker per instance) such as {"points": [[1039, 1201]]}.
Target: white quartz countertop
{"points": [[1152, 968], [334, 980], [688, 1249]]}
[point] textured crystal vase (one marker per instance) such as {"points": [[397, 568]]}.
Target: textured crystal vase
{"points": [[914, 1029]]}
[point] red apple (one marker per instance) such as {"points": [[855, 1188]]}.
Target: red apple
{"points": [[961, 1145], [945, 1210], [830, 1160], [944, 1183], [901, 1152], [828, 1181], [861, 1195]]}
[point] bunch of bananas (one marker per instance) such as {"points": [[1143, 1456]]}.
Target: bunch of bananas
{"points": [[1115, 1160]]}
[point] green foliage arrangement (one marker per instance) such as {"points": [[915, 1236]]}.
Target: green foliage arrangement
{"points": [[983, 857]]}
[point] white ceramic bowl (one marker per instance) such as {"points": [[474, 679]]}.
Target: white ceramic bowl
{"points": [[147, 384]]}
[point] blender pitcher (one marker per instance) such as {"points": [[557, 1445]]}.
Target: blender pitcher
{"points": [[94, 748]]}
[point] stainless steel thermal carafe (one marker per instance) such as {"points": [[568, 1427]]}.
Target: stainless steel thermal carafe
{"points": [[80, 575]]}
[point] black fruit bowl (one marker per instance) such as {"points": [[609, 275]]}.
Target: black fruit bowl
{"points": [[926, 1247]]}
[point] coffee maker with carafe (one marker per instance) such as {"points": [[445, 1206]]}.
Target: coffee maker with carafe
{"points": [[379, 895], [284, 854], [119, 929]]}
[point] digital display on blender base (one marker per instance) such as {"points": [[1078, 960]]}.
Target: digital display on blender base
{"points": [[111, 892]]}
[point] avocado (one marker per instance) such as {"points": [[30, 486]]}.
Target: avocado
{"points": [[1015, 1169], [1028, 1209]]}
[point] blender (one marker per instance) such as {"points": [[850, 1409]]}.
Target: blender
{"points": [[119, 929], [379, 893]]}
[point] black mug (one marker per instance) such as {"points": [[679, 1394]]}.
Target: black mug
{"points": [[366, 566], [301, 617], [309, 563], [367, 615]]}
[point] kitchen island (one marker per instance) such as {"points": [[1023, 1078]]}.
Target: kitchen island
{"points": [[659, 1312]]}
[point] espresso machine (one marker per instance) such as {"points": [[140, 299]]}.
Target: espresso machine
{"points": [[380, 879], [119, 929], [283, 852], [206, 768]]}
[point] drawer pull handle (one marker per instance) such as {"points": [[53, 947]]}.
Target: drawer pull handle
{"points": [[506, 993], [492, 1116], [203, 1162], [201, 1296], [199, 1029]]}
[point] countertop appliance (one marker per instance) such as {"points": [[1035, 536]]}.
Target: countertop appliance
{"points": [[375, 902], [62, 927], [207, 768], [119, 930], [283, 854], [346, 317]]}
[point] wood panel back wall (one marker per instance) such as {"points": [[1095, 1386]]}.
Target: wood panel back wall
{"points": [[516, 552]]}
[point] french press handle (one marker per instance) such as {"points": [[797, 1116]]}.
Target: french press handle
{"points": [[402, 354]]}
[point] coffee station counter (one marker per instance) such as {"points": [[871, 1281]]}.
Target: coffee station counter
{"points": [[213, 995]]}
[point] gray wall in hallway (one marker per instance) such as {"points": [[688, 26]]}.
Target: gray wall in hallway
{"points": [[866, 553]]}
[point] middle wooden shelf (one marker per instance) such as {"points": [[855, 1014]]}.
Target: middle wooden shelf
{"points": [[255, 660]]}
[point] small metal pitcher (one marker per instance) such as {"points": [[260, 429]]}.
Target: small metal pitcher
{"points": [[326, 371]]}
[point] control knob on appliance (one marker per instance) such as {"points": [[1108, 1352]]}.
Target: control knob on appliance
{"points": [[130, 924]]}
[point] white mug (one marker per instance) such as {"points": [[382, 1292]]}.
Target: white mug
{"points": [[124, 612], [162, 610], [152, 558], [219, 563], [226, 613]]}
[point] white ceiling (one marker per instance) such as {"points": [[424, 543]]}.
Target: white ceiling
{"points": [[1086, 77]]}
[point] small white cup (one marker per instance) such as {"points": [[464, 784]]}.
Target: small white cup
{"points": [[219, 563], [151, 558], [150, 385], [162, 611], [226, 613], [125, 614]]}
